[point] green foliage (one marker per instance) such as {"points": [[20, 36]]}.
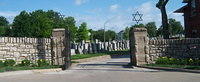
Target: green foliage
{"points": [[110, 35], [42, 62], [70, 24], [9, 62], [159, 32], [138, 26], [2, 31], [3, 26], [16, 68], [176, 66], [3, 21], [99, 34], [39, 23], [25, 63], [1, 63], [83, 32], [175, 27], [34, 24], [83, 56], [173, 61], [151, 29], [126, 33]]}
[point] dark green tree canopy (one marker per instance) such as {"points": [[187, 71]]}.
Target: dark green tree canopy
{"points": [[83, 32], [99, 34], [126, 33], [151, 29], [175, 27], [35, 24], [40, 23], [70, 24], [3, 26], [3, 21]]}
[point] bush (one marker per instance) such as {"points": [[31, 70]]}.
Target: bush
{"points": [[162, 60], [1, 63], [174, 61], [25, 63], [42, 62], [9, 62]]}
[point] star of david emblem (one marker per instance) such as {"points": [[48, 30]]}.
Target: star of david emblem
{"points": [[137, 17]]}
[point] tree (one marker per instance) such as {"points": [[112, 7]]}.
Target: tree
{"points": [[82, 32], [3, 26], [2, 31], [41, 24], [92, 32], [175, 27], [3, 21], [99, 34], [110, 35], [162, 6], [57, 18], [126, 33], [21, 25], [70, 24], [159, 31], [151, 29], [38, 23]]}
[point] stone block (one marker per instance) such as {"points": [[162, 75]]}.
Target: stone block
{"points": [[2, 52]]}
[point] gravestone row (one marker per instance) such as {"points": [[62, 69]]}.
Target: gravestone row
{"points": [[98, 47]]}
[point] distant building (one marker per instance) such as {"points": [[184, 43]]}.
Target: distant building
{"points": [[192, 18]]}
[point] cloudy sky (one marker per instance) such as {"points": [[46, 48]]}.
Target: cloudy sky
{"points": [[117, 13]]}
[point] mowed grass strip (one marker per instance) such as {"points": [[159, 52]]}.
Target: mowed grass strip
{"points": [[17, 68], [176, 66], [83, 56]]}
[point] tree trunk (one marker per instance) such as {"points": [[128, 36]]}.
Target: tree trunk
{"points": [[165, 24]]}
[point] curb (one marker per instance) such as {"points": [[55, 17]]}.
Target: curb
{"points": [[171, 69], [26, 72]]}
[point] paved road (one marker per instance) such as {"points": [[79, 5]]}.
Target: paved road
{"points": [[113, 70]]}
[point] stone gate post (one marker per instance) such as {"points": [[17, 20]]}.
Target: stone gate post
{"points": [[61, 54], [138, 46]]}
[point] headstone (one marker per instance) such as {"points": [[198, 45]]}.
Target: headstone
{"points": [[73, 52], [90, 48], [94, 47]]}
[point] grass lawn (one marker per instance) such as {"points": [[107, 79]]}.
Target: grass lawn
{"points": [[17, 68], [176, 66], [83, 56]]}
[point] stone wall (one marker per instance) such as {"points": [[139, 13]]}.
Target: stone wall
{"points": [[146, 51], [98, 47], [18, 48], [176, 48]]}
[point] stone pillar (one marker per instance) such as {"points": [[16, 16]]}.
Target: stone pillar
{"points": [[139, 46], [61, 53]]}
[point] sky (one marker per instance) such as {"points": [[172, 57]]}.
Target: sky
{"points": [[117, 13]]}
